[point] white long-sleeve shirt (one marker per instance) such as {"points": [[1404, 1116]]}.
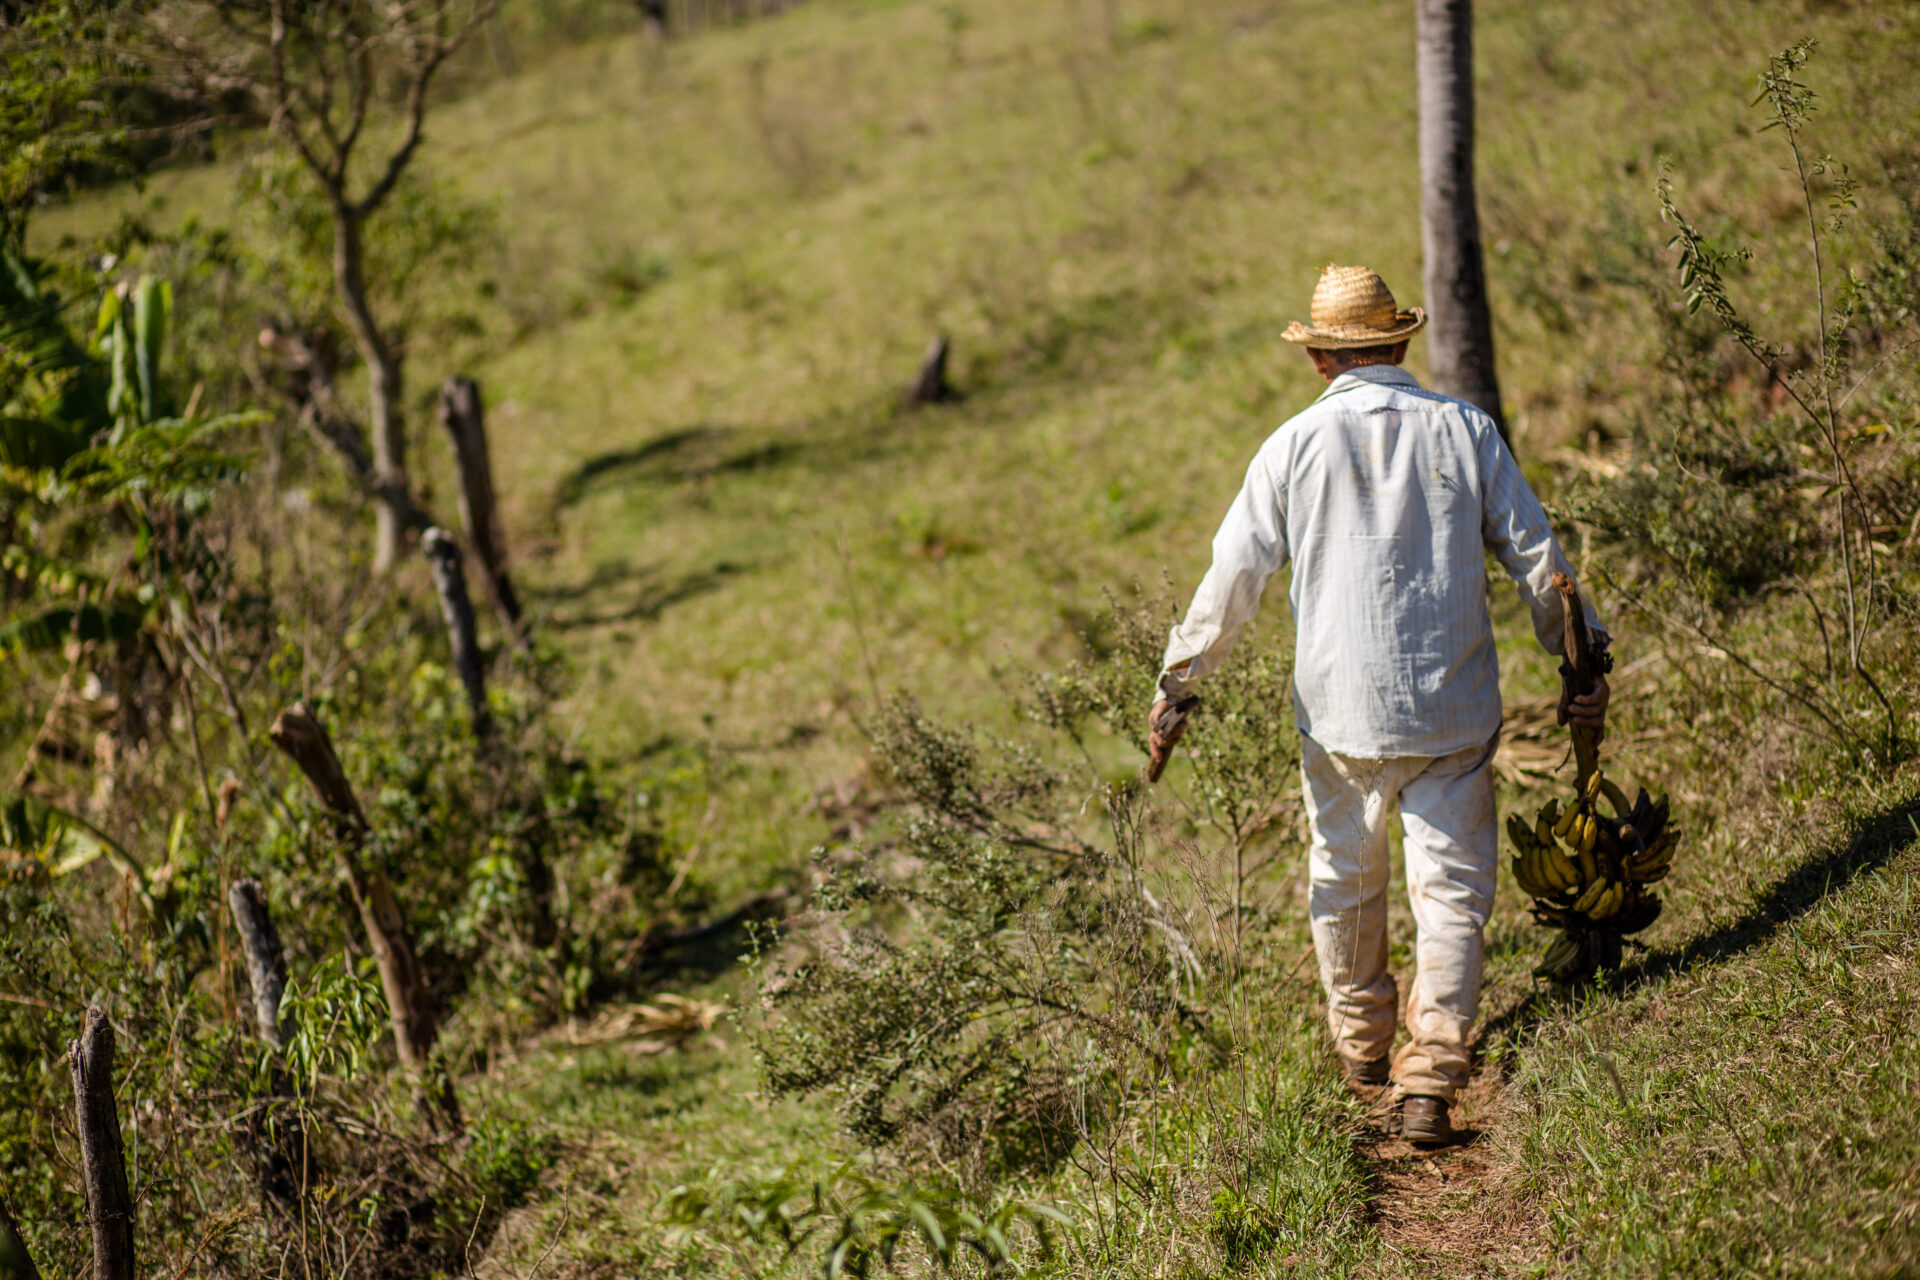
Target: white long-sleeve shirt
{"points": [[1385, 498]]}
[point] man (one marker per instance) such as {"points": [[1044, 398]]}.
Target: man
{"points": [[1385, 497]]}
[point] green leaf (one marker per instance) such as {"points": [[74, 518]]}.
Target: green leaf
{"points": [[48, 630]]}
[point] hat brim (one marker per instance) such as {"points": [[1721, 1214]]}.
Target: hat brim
{"points": [[1348, 336]]}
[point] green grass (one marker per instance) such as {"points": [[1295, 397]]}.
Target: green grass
{"points": [[716, 273]]}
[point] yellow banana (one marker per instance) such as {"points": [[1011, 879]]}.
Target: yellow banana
{"points": [[1524, 880], [1584, 903], [1551, 812], [1609, 901], [1565, 871], [1542, 830], [1589, 834], [1564, 826], [1518, 833], [1541, 875]]}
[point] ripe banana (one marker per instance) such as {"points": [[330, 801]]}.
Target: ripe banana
{"points": [[1524, 878], [1584, 904], [1609, 901], [1566, 872], [1542, 831], [1563, 825]]}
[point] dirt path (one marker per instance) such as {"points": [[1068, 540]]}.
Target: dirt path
{"points": [[1446, 1211]]}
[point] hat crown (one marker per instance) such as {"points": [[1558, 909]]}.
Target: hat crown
{"points": [[1350, 297]]}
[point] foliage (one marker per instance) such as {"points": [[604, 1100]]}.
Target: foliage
{"points": [[62, 83], [999, 988], [1716, 514], [865, 1226]]}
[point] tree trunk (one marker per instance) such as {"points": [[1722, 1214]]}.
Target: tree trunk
{"points": [[15, 1262], [302, 738], [279, 1139], [383, 385], [460, 414], [103, 1164], [1460, 341]]}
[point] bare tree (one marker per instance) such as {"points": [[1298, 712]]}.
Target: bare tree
{"points": [[315, 69], [1461, 333]]}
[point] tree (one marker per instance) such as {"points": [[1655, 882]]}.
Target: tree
{"points": [[314, 70], [57, 78], [1461, 332]]}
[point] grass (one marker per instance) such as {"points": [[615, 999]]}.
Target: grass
{"points": [[716, 272]]}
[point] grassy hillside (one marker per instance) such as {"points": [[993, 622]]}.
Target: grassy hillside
{"points": [[717, 266]]}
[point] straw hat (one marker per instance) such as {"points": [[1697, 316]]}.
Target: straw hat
{"points": [[1352, 307]]}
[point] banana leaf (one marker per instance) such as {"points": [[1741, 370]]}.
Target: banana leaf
{"points": [[32, 828]]}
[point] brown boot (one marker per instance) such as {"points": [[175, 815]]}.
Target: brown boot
{"points": [[1371, 1074], [1423, 1121]]}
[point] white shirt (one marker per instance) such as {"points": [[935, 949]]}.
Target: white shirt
{"points": [[1385, 498]]}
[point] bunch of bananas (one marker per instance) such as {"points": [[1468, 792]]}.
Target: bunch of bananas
{"points": [[1588, 873]]}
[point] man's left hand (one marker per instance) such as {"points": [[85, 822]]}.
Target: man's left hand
{"points": [[1589, 710]]}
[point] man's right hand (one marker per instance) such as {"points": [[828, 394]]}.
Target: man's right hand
{"points": [[1164, 730]]}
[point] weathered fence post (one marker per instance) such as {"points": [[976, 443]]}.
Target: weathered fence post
{"points": [[302, 738], [282, 1156], [931, 387], [15, 1262], [450, 581], [103, 1164], [460, 414]]}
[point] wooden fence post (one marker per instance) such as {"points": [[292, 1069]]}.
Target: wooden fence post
{"points": [[302, 738], [103, 1164], [15, 1262], [461, 415], [456, 606], [281, 1155], [931, 386]]}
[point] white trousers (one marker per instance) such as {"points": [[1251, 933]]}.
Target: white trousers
{"points": [[1452, 840]]}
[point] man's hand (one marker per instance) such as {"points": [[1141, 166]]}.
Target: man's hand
{"points": [[1164, 729], [1588, 710]]}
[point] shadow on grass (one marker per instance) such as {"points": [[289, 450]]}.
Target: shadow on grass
{"points": [[653, 593], [694, 453], [1876, 841]]}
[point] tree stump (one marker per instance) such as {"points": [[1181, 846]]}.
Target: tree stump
{"points": [[931, 387], [103, 1164], [302, 739], [450, 582], [460, 414], [279, 1139]]}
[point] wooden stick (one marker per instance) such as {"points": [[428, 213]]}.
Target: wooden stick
{"points": [[302, 738], [461, 415], [450, 581], [1580, 672], [102, 1159]]}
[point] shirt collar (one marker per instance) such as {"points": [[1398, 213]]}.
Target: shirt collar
{"points": [[1381, 375]]}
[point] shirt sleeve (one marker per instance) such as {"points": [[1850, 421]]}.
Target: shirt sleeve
{"points": [[1517, 531], [1250, 548]]}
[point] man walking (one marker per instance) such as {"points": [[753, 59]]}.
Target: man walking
{"points": [[1385, 498]]}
